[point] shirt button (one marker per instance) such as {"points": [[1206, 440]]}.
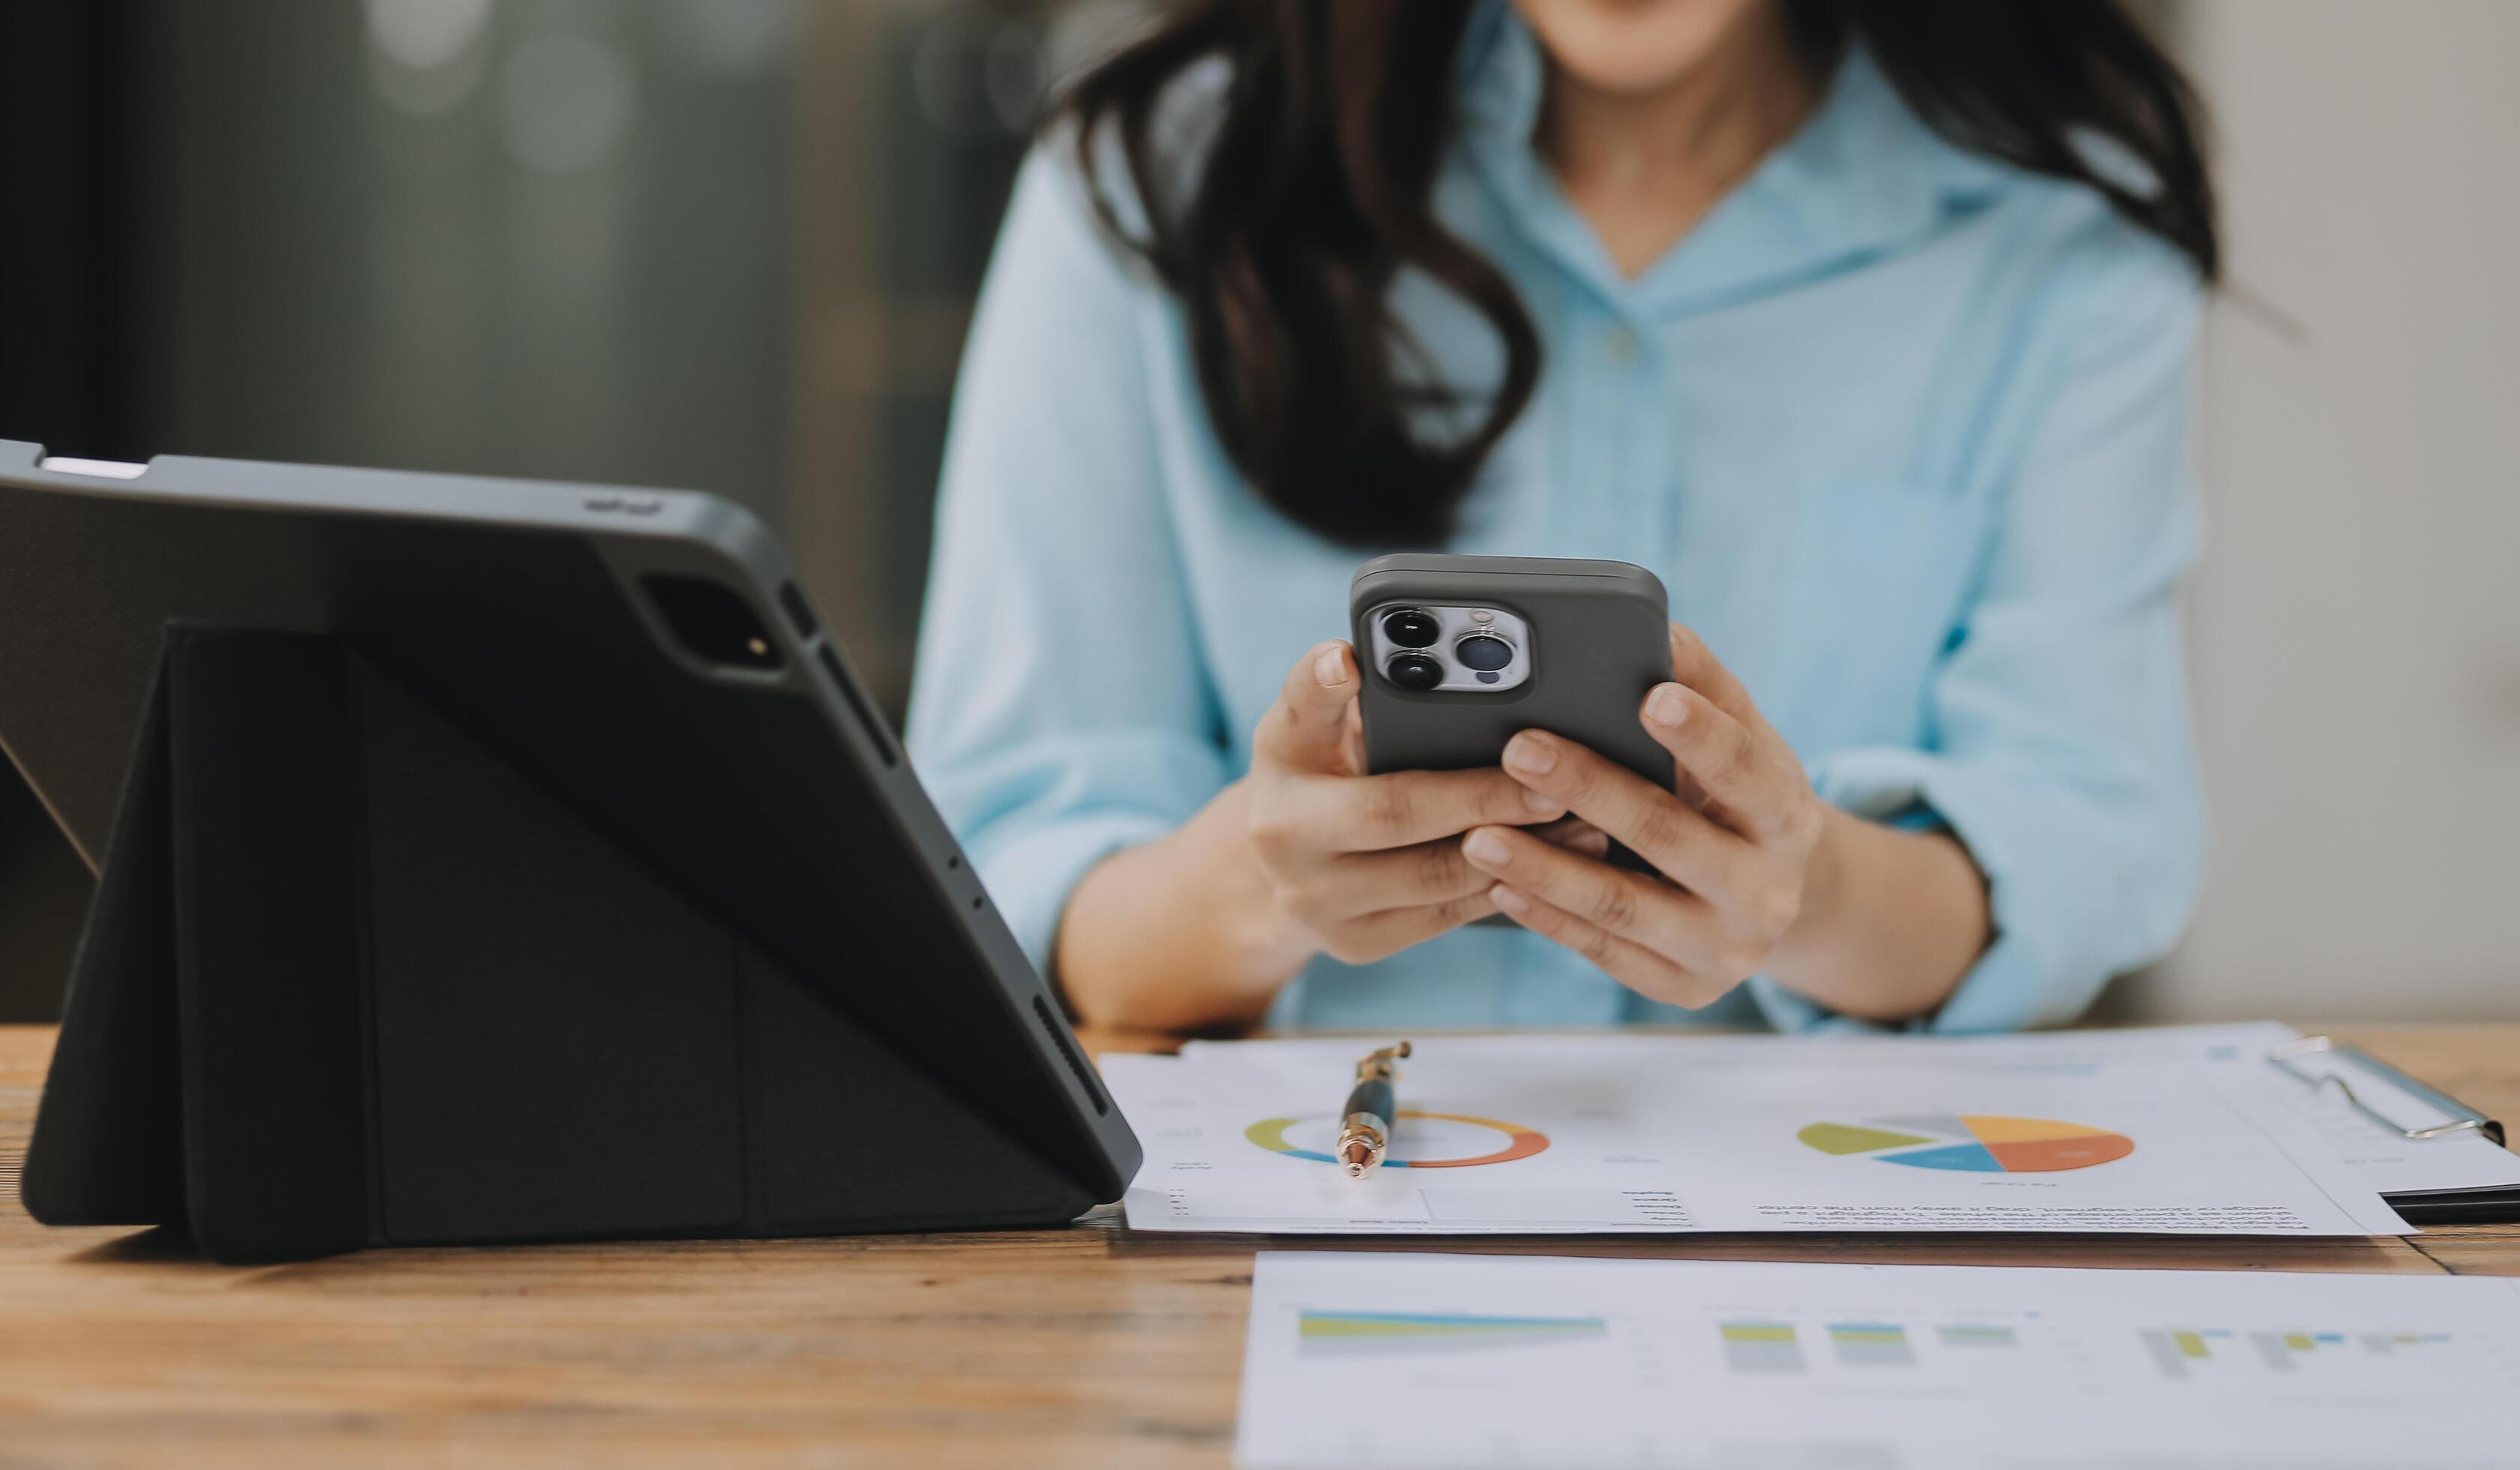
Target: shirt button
{"points": [[1624, 347]]}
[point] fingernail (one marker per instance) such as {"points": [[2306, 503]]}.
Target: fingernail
{"points": [[1532, 754], [1665, 706], [1546, 807], [1485, 846], [1509, 900], [1332, 667]]}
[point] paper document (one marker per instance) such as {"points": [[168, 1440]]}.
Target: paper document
{"points": [[1403, 1360], [2382, 1157], [1543, 1133]]}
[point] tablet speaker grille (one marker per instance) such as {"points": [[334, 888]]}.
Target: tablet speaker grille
{"points": [[1067, 1046], [800, 614], [878, 734]]}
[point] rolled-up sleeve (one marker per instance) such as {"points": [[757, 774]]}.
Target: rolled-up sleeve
{"points": [[1059, 711], [2059, 749]]}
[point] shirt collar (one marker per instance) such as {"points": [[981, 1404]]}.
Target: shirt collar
{"points": [[1861, 177]]}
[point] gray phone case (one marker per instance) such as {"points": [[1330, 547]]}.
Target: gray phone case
{"points": [[1599, 640]]}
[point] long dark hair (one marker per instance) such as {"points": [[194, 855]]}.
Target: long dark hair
{"points": [[1314, 191]]}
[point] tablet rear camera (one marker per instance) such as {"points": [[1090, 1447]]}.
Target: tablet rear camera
{"points": [[1483, 652], [1408, 628], [711, 622], [1414, 671]]}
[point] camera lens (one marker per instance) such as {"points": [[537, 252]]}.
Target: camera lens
{"points": [[1484, 652], [1414, 671], [712, 620], [1410, 628]]}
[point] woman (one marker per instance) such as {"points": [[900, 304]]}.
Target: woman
{"points": [[1866, 327]]}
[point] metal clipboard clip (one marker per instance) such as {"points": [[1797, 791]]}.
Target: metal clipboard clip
{"points": [[2462, 1118]]}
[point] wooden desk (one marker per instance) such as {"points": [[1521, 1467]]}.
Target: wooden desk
{"points": [[1087, 1346]]}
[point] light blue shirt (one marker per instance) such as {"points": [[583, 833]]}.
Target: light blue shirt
{"points": [[1904, 432]]}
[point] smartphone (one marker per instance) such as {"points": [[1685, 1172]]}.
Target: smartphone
{"points": [[1459, 653]]}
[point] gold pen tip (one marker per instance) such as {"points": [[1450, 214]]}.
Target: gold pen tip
{"points": [[1358, 1155]]}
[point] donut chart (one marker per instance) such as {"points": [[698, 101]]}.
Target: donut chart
{"points": [[1971, 1142], [1452, 1134]]}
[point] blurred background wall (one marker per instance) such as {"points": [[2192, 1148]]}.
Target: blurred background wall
{"points": [[731, 244], [2357, 622]]}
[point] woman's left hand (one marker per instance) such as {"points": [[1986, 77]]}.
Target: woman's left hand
{"points": [[1742, 867]]}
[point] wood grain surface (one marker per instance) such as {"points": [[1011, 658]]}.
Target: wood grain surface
{"points": [[1088, 1346]]}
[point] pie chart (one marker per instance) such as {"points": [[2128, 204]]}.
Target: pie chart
{"points": [[1428, 1140], [1972, 1143]]}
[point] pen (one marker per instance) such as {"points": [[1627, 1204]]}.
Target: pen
{"points": [[1372, 1106]]}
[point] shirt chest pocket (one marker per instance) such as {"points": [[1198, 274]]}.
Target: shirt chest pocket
{"points": [[1877, 584]]}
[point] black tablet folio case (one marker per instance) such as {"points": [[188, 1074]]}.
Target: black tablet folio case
{"points": [[350, 980]]}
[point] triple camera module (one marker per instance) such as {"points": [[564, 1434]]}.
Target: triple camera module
{"points": [[1424, 649]]}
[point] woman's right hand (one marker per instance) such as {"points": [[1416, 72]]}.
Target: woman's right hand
{"points": [[1305, 856], [1361, 866]]}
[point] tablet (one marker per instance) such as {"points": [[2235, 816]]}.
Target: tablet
{"points": [[646, 661]]}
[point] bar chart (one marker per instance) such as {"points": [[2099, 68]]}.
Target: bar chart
{"points": [[1761, 1347], [1537, 1361], [2183, 1353], [1872, 1345]]}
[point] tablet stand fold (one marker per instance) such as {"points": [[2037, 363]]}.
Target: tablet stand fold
{"points": [[349, 980]]}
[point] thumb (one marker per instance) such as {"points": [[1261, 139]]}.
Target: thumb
{"points": [[1306, 730]]}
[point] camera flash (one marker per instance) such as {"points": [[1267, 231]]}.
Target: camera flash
{"points": [[1482, 615]]}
